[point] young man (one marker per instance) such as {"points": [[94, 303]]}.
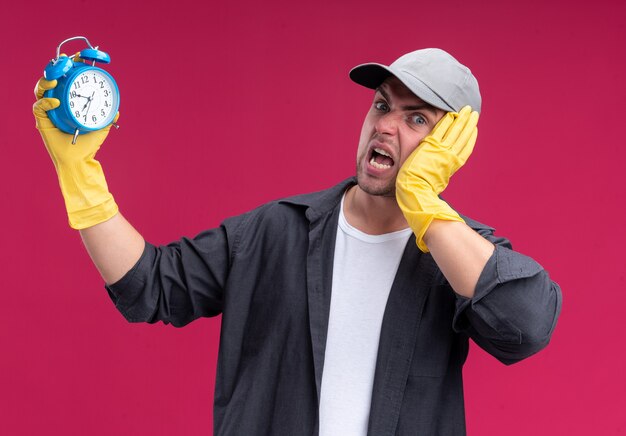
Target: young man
{"points": [[347, 311]]}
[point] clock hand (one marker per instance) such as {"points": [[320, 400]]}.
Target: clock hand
{"points": [[88, 100], [89, 103]]}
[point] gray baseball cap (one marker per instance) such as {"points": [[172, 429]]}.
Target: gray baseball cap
{"points": [[431, 74]]}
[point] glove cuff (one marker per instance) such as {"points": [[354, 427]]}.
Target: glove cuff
{"points": [[90, 217], [422, 221], [87, 198], [420, 206]]}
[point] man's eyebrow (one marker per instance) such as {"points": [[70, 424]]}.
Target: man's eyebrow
{"points": [[383, 92], [415, 107]]}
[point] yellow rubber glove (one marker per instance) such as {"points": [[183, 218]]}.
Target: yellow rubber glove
{"points": [[87, 197], [427, 171]]}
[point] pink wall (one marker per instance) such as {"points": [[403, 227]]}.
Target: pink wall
{"points": [[228, 105]]}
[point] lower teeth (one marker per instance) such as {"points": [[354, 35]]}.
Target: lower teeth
{"points": [[379, 166]]}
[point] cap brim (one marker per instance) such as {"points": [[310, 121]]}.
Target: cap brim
{"points": [[371, 75]]}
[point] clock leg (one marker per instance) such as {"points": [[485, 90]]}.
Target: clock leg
{"points": [[75, 136]]}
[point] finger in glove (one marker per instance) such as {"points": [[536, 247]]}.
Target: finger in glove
{"points": [[468, 124], [442, 126], [39, 110], [451, 136], [42, 86], [466, 151]]}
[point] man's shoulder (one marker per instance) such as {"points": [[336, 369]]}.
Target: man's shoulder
{"points": [[285, 211], [320, 199]]}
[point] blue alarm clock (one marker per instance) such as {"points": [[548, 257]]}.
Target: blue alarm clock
{"points": [[89, 95]]}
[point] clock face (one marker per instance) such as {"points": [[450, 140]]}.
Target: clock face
{"points": [[93, 99]]}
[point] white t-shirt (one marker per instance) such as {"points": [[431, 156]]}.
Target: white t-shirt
{"points": [[363, 271]]}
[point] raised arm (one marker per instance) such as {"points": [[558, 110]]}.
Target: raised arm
{"points": [[113, 244], [506, 302], [460, 253]]}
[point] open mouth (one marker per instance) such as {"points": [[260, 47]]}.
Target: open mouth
{"points": [[381, 159]]}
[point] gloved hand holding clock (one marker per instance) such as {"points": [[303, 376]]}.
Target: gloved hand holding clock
{"points": [[427, 171], [84, 188]]}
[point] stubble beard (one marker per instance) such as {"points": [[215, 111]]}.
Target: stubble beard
{"points": [[376, 189]]}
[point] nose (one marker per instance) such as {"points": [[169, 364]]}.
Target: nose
{"points": [[388, 123]]}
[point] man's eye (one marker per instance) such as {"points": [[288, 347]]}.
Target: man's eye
{"points": [[381, 106], [418, 119]]}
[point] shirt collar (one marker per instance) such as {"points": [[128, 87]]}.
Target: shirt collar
{"points": [[321, 202]]}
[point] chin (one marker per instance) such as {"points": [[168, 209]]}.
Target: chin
{"points": [[375, 187]]}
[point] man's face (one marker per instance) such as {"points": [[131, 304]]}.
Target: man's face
{"points": [[394, 126]]}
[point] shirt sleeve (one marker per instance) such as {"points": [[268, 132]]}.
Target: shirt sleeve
{"points": [[515, 306], [176, 283]]}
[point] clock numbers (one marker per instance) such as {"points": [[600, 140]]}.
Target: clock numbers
{"points": [[91, 99]]}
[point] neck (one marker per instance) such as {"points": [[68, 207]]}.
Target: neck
{"points": [[373, 214]]}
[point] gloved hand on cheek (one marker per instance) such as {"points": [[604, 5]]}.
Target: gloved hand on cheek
{"points": [[427, 171]]}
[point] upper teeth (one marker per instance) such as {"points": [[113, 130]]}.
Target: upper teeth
{"points": [[383, 152]]}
